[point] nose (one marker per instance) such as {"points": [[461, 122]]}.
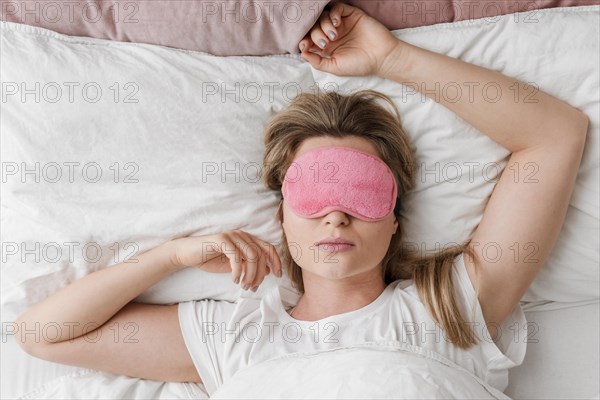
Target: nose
{"points": [[337, 218]]}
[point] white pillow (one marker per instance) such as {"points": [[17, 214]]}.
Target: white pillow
{"points": [[156, 133], [184, 124]]}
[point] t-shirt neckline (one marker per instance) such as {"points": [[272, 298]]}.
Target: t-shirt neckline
{"points": [[339, 318]]}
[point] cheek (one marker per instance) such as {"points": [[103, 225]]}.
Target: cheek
{"points": [[377, 237], [294, 227], [300, 237]]}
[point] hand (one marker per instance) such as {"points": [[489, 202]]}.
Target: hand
{"points": [[360, 46], [248, 258]]}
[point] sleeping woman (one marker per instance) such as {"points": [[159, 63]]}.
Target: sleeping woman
{"points": [[343, 164]]}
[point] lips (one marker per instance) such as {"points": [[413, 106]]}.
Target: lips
{"points": [[334, 240]]}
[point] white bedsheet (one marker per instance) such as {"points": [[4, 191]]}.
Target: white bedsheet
{"points": [[369, 371]]}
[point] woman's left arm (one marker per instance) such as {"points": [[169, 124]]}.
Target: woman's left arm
{"points": [[546, 136], [527, 209]]}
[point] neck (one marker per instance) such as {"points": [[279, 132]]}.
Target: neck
{"points": [[323, 298]]}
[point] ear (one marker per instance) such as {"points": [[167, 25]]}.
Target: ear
{"points": [[395, 224]]}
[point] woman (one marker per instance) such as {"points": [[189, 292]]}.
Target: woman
{"points": [[345, 259]]}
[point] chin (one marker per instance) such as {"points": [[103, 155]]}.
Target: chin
{"points": [[334, 270]]}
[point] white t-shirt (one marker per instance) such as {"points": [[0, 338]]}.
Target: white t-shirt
{"points": [[224, 337]]}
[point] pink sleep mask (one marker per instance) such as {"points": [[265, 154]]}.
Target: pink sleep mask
{"points": [[342, 179]]}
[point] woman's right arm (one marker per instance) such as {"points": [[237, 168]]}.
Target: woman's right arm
{"points": [[91, 323]]}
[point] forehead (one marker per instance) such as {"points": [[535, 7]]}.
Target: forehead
{"points": [[354, 142]]}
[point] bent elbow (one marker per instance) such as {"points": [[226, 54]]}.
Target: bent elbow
{"points": [[573, 132], [20, 337], [28, 337]]}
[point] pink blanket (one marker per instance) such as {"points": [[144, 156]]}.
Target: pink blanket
{"points": [[239, 27]]}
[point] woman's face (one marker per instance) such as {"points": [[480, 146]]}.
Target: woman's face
{"points": [[370, 239]]}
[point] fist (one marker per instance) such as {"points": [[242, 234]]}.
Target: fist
{"points": [[346, 41]]}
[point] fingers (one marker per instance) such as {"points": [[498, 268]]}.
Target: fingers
{"points": [[324, 31], [328, 28], [268, 259], [273, 257], [316, 38], [313, 58], [261, 271], [254, 257], [249, 254], [228, 248], [313, 53]]}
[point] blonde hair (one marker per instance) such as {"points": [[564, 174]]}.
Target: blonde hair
{"points": [[359, 114]]}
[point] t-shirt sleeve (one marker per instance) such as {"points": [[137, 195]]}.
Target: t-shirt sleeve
{"points": [[509, 349], [201, 324]]}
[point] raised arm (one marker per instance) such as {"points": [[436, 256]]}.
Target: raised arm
{"points": [[545, 135], [91, 323], [527, 209]]}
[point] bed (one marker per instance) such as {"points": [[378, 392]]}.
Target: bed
{"points": [[111, 148]]}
